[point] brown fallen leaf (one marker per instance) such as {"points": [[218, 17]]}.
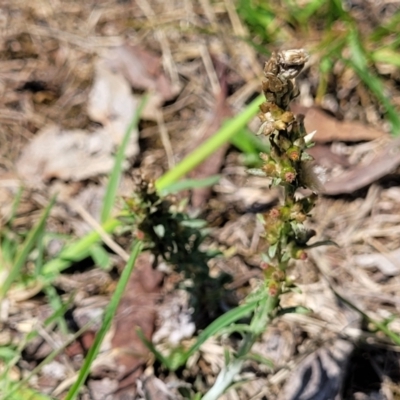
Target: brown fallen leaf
{"points": [[360, 176], [143, 70], [77, 154], [325, 157], [156, 389], [66, 154], [137, 309], [112, 103], [330, 129]]}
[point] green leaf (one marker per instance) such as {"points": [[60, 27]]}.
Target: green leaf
{"points": [[260, 359], [25, 394], [256, 172], [7, 353], [74, 252], [26, 248], [386, 56], [358, 62], [272, 250], [194, 223], [248, 143], [220, 323], [100, 256], [188, 184], [159, 356]]}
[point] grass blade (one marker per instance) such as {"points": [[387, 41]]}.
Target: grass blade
{"points": [[23, 254], [188, 184], [358, 62], [20, 384], [112, 187], [220, 323], [108, 316], [76, 251]]}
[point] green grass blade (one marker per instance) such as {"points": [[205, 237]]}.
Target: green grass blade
{"points": [[100, 256], [359, 63], [56, 303], [20, 384], [378, 325], [76, 251], [26, 394], [108, 316], [227, 131], [159, 356], [386, 56], [188, 184], [220, 323], [248, 143], [112, 187], [15, 205], [25, 250]]}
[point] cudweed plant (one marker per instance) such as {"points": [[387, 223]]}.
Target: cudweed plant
{"points": [[176, 238], [288, 165]]}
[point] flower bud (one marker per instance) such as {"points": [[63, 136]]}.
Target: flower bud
{"points": [[264, 265], [284, 143], [273, 288], [139, 234], [270, 169], [287, 117], [299, 254], [293, 153], [278, 275], [274, 213], [280, 125], [288, 176]]}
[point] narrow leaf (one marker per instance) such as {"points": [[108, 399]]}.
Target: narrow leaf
{"points": [[108, 316], [112, 187]]}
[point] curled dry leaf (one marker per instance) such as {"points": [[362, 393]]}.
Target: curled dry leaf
{"points": [[360, 176], [66, 155], [77, 154], [143, 70], [330, 129], [112, 104]]}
